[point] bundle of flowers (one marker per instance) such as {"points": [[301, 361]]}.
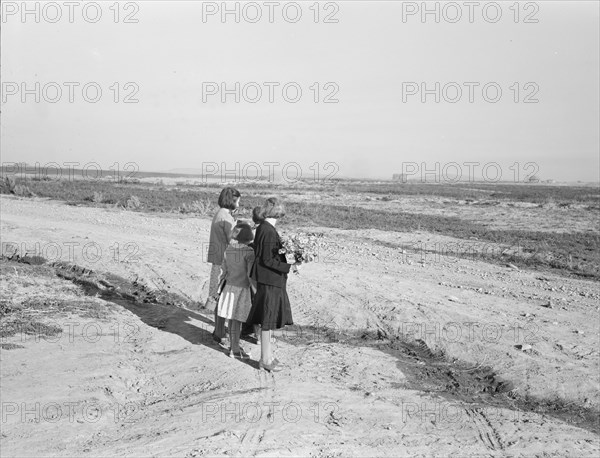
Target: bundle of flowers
{"points": [[300, 247]]}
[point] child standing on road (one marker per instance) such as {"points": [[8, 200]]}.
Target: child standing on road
{"points": [[236, 286], [220, 236], [249, 330]]}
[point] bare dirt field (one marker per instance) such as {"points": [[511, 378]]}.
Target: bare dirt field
{"points": [[393, 353]]}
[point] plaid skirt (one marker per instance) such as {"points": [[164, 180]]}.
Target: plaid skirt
{"points": [[271, 307]]}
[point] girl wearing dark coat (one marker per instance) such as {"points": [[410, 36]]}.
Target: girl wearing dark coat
{"points": [[271, 305]]}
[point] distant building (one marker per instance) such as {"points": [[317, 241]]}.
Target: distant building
{"points": [[399, 177]]}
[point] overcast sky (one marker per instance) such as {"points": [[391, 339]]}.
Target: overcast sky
{"points": [[371, 56]]}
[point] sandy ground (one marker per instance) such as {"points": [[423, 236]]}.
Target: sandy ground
{"points": [[362, 375]]}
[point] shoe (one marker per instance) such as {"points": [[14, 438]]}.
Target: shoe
{"points": [[273, 367], [223, 342], [241, 354], [251, 338]]}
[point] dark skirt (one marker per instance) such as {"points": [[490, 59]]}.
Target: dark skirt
{"points": [[271, 307]]}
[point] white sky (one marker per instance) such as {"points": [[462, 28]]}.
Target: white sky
{"points": [[369, 53]]}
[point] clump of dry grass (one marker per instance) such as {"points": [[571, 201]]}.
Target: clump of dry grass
{"points": [[133, 203], [200, 207], [10, 186], [27, 326], [98, 197]]}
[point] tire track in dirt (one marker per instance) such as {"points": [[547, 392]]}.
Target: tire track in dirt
{"points": [[488, 435], [253, 435]]}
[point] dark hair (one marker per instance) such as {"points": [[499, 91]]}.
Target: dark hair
{"points": [[227, 198], [256, 215], [272, 208], [242, 232]]}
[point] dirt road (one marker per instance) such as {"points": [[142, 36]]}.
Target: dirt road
{"points": [[394, 354]]}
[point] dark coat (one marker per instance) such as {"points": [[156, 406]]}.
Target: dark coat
{"points": [[270, 267]]}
